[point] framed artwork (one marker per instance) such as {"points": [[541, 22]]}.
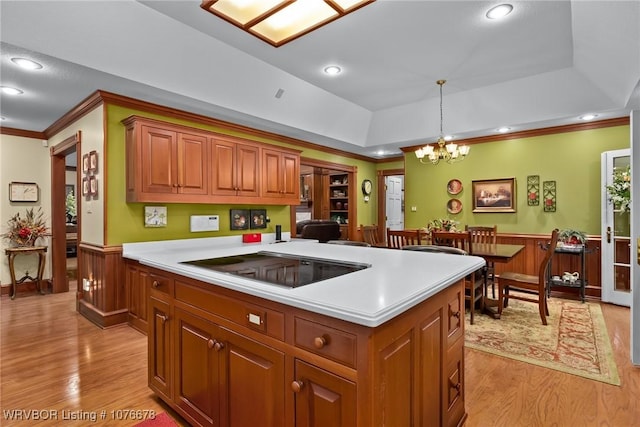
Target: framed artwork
{"points": [[454, 186], [85, 163], [23, 192], [533, 190], [155, 216], [494, 195], [85, 186], [93, 186], [549, 196], [93, 161], [70, 189], [239, 219], [258, 218], [454, 206]]}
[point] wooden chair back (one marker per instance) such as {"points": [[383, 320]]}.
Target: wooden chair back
{"points": [[532, 288], [370, 234], [397, 239], [480, 234], [455, 239]]}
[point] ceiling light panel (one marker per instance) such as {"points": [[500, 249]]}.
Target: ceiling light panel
{"points": [[278, 22], [10, 90], [27, 64], [499, 11]]}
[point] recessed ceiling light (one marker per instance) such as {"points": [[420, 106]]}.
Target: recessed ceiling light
{"points": [[26, 63], [499, 11], [588, 117], [504, 129], [332, 70], [10, 90]]}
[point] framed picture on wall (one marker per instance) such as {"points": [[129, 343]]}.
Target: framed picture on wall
{"points": [[494, 195], [258, 218], [93, 161], [85, 163], [93, 186], [85, 186], [239, 219]]}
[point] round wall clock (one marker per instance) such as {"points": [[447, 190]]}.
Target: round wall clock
{"points": [[366, 189]]}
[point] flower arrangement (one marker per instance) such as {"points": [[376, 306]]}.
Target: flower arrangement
{"points": [[620, 189], [571, 237], [444, 224], [24, 231]]}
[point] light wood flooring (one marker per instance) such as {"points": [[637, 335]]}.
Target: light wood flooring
{"points": [[52, 358]]}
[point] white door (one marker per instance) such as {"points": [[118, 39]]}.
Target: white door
{"points": [[394, 201], [616, 234]]}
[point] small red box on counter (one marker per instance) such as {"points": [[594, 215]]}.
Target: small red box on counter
{"points": [[251, 238]]}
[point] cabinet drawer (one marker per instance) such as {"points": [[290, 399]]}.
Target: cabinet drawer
{"points": [[160, 286], [326, 341], [267, 321], [454, 387], [454, 313]]}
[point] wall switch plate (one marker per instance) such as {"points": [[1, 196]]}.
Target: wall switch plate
{"points": [[86, 284], [205, 223]]}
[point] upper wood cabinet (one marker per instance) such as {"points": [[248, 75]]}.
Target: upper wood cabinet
{"points": [[235, 168], [169, 163], [281, 175]]}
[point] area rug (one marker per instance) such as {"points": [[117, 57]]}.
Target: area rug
{"points": [[160, 420], [575, 340]]}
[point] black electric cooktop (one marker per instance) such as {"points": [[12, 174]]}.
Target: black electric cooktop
{"points": [[279, 269]]}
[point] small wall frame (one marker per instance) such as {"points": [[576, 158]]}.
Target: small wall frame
{"points": [[533, 190], [549, 196], [239, 219]]}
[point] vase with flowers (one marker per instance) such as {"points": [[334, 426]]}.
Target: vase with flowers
{"points": [[25, 230], [442, 224]]}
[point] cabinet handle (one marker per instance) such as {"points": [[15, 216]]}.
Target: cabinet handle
{"points": [[320, 342], [455, 314], [297, 386], [608, 234], [163, 318], [156, 284], [218, 346], [211, 343]]}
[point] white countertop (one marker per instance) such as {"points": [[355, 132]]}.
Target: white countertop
{"points": [[396, 281]]}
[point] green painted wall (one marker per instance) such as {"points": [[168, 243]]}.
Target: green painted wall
{"points": [[125, 221], [571, 159]]}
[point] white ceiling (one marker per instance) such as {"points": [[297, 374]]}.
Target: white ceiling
{"points": [[545, 64]]}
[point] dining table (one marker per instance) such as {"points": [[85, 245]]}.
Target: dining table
{"points": [[495, 252]]}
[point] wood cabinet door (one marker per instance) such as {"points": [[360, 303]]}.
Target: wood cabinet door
{"points": [[196, 368], [290, 176], [223, 171], [323, 399], [252, 387], [193, 163], [159, 160], [159, 339], [248, 170], [137, 293], [272, 173]]}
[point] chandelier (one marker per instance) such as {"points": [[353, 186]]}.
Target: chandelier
{"points": [[449, 152]]}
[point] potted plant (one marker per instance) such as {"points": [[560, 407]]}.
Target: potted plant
{"points": [[569, 237]]}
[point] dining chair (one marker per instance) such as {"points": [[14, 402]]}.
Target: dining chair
{"points": [[396, 239], [349, 243], [486, 235], [474, 283], [370, 235], [529, 287], [457, 239]]}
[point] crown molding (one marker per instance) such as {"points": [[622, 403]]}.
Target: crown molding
{"points": [[22, 133]]}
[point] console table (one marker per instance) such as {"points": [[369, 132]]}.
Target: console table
{"points": [[41, 251], [582, 280]]}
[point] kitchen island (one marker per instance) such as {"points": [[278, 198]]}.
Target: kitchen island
{"points": [[381, 346]]}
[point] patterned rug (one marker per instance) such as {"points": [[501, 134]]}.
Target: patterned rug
{"points": [[575, 340]]}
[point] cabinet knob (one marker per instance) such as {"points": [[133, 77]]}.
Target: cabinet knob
{"points": [[217, 346], [163, 318], [456, 314], [297, 386], [320, 342], [156, 284], [210, 343]]}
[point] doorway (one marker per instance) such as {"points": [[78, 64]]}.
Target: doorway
{"points": [[65, 211], [397, 210]]}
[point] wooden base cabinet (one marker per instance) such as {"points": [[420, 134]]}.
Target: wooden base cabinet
{"points": [[224, 358]]}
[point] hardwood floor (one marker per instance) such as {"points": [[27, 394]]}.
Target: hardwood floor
{"points": [[53, 359]]}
